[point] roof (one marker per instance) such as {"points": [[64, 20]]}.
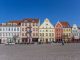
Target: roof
{"points": [[31, 20], [65, 24], [18, 22]]}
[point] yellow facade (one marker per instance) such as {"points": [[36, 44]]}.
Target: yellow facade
{"points": [[46, 32], [67, 34]]}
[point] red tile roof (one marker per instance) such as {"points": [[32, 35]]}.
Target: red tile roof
{"points": [[65, 24], [16, 21]]}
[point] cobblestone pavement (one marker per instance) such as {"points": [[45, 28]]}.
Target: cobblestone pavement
{"points": [[70, 51]]}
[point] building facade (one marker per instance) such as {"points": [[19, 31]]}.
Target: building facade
{"points": [[75, 33], [46, 32], [29, 30], [62, 31], [67, 36], [9, 33], [79, 33]]}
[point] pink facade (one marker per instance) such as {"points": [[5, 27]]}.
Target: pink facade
{"points": [[58, 32]]}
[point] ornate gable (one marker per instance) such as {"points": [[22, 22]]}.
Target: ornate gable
{"points": [[46, 24]]}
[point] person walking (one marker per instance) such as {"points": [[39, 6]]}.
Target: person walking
{"points": [[62, 42]]}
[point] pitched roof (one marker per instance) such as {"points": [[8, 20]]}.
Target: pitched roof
{"points": [[31, 20], [65, 24], [15, 21]]}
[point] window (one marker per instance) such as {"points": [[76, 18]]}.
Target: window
{"points": [[33, 29], [43, 34], [50, 30], [9, 34], [69, 29], [46, 30], [36, 34], [6, 34], [36, 24], [25, 24], [17, 29], [0, 34], [22, 29], [50, 39], [49, 34], [43, 30], [52, 34], [40, 30], [40, 34], [46, 34], [25, 34], [66, 29], [69, 34], [3, 29], [22, 34], [14, 29], [33, 34], [9, 29], [33, 24], [36, 29], [25, 29]]}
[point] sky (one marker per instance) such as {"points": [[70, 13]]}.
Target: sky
{"points": [[54, 10]]}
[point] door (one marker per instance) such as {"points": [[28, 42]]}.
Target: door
{"points": [[46, 40]]}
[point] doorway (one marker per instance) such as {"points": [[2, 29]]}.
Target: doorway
{"points": [[46, 40]]}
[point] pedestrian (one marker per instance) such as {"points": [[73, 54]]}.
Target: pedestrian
{"points": [[62, 42]]}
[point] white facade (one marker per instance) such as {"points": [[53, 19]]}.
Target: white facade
{"points": [[79, 33], [46, 32], [75, 31], [8, 32]]}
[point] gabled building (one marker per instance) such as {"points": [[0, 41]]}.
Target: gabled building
{"points": [[46, 32], [62, 31], [75, 33]]}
